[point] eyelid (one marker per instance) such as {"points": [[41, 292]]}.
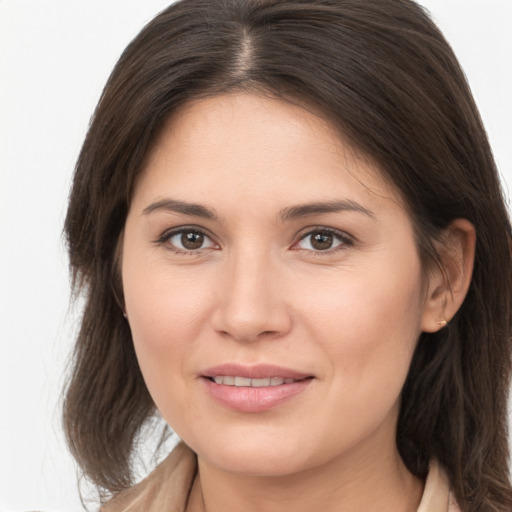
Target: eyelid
{"points": [[166, 235], [346, 239]]}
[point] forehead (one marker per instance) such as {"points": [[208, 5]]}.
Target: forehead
{"points": [[257, 148]]}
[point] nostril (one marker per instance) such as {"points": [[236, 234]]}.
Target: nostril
{"points": [[251, 313]]}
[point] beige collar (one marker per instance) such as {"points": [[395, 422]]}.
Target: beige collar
{"points": [[167, 488], [437, 495]]}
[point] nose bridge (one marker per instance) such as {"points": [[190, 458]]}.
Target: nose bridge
{"points": [[251, 304]]}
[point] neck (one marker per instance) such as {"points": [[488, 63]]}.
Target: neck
{"points": [[375, 481]]}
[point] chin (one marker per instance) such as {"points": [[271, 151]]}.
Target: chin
{"points": [[253, 455]]}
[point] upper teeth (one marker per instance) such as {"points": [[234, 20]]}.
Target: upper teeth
{"points": [[254, 383]]}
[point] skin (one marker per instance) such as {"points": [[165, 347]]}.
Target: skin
{"points": [[258, 291]]}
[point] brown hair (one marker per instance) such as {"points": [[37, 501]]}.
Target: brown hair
{"points": [[384, 75]]}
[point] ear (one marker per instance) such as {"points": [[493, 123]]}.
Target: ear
{"points": [[449, 284]]}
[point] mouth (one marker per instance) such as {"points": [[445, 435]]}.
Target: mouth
{"points": [[246, 382], [254, 388], [233, 374]]}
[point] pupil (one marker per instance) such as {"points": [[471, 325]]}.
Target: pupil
{"points": [[322, 241], [191, 240]]}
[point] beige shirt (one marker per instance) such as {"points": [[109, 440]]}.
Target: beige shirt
{"points": [[178, 471]]}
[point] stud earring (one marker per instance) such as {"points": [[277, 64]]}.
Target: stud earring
{"points": [[442, 323]]}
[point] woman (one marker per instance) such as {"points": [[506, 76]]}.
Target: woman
{"points": [[290, 232]]}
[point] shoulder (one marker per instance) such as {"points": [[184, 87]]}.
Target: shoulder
{"points": [[166, 488]]}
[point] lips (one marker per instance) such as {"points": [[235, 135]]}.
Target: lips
{"points": [[260, 371], [230, 380], [254, 388]]}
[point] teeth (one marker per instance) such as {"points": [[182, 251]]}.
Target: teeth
{"points": [[242, 381], [260, 383], [228, 380]]}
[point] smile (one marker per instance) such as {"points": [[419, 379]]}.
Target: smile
{"points": [[228, 380], [254, 389]]}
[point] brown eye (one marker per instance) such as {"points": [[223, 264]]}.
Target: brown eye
{"points": [[323, 240], [192, 240]]}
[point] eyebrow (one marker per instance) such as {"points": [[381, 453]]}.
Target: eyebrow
{"points": [[309, 209], [286, 214], [172, 205]]}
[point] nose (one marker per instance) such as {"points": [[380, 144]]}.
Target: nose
{"points": [[251, 300]]}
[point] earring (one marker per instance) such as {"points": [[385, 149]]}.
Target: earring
{"points": [[442, 323]]}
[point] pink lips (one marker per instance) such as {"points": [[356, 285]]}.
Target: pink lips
{"points": [[254, 399]]}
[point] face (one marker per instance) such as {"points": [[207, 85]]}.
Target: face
{"points": [[272, 286]]}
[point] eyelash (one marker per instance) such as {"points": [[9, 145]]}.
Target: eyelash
{"points": [[344, 239], [166, 236]]}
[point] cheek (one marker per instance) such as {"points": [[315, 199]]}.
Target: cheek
{"points": [[161, 299], [367, 324], [167, 312], [366, 329]]}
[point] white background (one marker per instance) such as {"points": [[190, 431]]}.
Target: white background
{"points": [[54, 59]]}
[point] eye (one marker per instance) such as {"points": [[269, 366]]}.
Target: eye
{"points": [[323, 240], [187, 240]]}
